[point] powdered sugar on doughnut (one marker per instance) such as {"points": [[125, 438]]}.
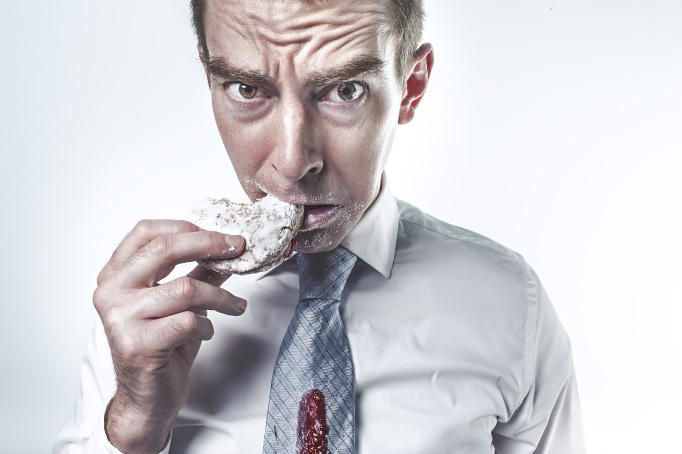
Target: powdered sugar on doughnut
{"points": [[268, 225]]}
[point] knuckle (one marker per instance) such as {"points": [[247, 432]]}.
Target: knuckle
{"points": [[99, 298], [184, 322], [186, 226], [184, 287], [114, 317], [116, 260], [160, 246], [104, 301], [191, 322], [143, 227]]}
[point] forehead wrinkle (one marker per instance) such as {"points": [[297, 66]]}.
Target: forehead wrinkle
{"points": [[357, 38], [230, 28], [282, 27], [354, 32], [222, 12], [297, 37]]}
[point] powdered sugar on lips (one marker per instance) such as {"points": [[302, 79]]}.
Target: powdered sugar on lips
{"points": [[268, 225], [317, 215]]}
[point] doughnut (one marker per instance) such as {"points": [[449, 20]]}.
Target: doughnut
{"points": [[268, 226]]}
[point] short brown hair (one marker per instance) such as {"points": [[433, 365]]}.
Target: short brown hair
{"points": [[406, 19]]}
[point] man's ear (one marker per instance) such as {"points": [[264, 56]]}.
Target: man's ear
{"points": [[416, 83], [204, 63]]}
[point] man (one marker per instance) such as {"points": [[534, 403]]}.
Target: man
{"points": [[455, 346]]}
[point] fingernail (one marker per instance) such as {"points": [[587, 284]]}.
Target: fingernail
{"points": [[234, 241], [241, 304]]}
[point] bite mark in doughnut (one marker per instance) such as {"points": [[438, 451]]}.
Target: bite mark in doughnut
{"points": [[268, 226]]}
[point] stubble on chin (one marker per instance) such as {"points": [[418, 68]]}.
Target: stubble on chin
{"points": [[328, 237]]}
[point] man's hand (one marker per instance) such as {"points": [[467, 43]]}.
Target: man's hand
{"points": [[155, 331]]}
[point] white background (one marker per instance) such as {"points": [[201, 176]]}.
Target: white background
{"points": [[551, 126]]}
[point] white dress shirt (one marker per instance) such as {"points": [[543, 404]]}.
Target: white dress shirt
{"points": [[456, 347]]}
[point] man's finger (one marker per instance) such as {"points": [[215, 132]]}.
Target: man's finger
{"points": [[158, 258], [209, 276], [178, 329], [143, 232], [187, 294]]}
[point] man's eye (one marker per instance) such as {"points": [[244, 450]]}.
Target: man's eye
{"points": [[240, 90], [346, 92]]}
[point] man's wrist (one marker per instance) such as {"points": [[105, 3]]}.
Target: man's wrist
{"points": [[133, 433]]}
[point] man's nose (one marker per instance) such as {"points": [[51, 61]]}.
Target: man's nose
{"points": [[297, 151]]}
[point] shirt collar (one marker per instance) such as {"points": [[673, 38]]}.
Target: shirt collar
{"points": [[374, 237]]}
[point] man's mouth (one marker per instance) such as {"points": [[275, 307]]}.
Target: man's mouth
{"points": [[315, 216]]}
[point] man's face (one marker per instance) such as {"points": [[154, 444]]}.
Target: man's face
{"points": [[306, 101]]}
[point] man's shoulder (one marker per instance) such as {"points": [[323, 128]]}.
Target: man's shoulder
{"points": [[455, 256], [414, 221]]}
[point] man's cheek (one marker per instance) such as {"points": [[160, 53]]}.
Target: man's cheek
{"points": [[247, 145]]}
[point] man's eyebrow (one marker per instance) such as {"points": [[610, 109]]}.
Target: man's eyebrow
{"points": [[216, 66], [363, 64]]}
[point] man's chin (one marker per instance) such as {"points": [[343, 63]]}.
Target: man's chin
{"points": [[318, 240], [324, 228]]}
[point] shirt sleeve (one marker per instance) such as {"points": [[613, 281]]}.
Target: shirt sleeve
{"points": [[548, 417], [85, 434]]}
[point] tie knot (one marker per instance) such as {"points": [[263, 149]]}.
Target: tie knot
{"points": [[324, 274]]}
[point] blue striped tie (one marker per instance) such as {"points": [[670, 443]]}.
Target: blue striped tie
{"points": [[314, 355]]}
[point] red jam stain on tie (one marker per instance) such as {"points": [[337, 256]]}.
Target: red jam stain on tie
{"points": [[312, 423]]}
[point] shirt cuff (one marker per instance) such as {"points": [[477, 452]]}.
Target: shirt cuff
{"points": [[100, 443]]}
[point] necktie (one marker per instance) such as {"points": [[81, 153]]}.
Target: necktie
{"points": [[314, 368]]}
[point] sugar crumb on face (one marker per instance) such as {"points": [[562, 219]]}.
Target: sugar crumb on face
{"points": [[318, 240]]}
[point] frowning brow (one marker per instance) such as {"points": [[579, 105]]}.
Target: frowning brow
{"points": [[218, 67], [362, 65]]}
